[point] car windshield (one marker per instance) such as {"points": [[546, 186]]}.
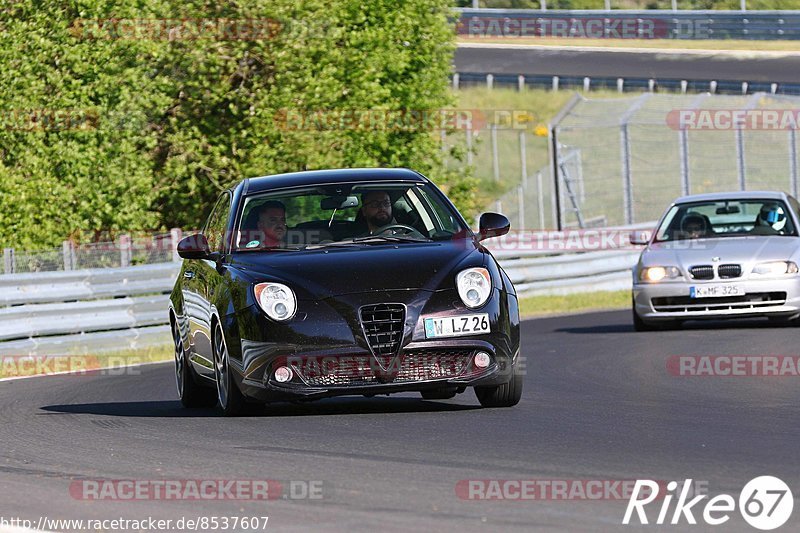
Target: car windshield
{"points": [[726, 218], [346, 215]]}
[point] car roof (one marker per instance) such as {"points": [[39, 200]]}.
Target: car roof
{"points": [[735, 195], [327, 177]]}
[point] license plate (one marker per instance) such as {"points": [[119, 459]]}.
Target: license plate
{"points": [[454, 326], [715, 291]]}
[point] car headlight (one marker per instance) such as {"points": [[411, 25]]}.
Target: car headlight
{"points": [[775, 268], [658, 273], [474, 286], [276, 300]]}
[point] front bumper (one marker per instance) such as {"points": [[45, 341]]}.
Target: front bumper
{"points": [[671, 300], [329, 355]]}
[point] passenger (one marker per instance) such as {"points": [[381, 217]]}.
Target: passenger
{"points": [[270, 226]]}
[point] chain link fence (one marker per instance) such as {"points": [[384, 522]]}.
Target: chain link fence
{"points": [[126, 250], [623, 160]]}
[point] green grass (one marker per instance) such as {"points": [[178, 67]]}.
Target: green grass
{"points": [[43, 364], [534, 306], [542, 105]]}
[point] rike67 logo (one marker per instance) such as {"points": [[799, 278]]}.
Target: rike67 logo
{"points": [[765, 503]]}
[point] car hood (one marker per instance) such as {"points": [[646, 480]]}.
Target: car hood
{"points": [[334, 271], [742, 250]]}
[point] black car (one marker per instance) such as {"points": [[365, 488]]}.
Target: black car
{"points": [[339, 282]]}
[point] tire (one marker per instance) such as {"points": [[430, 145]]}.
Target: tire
{"points": [[189, 392], [438, 394], [505, 395], [230, 398]]}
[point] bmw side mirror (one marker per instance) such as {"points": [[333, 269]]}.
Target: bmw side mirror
{"points": [[493, 225], [194, 247], [640, 238]]}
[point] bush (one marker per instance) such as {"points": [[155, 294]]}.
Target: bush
{"points": [[143, 131]]}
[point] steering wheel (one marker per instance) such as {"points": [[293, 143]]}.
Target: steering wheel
{"points": [[407, 230]]}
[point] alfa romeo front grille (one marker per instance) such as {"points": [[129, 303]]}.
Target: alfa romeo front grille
{"points": [[411, 366], [383, 327], [702, 272]]}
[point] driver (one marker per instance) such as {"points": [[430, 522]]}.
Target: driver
{"points": [[376, 208]]}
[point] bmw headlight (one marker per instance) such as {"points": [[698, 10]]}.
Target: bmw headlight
{"points": [[276, 300], [775, 268], [658, 273], [474, 286]]}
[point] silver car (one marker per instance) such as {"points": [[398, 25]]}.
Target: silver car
{"points": [[721, 255]]}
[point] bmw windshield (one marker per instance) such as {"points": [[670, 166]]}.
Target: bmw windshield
{"points": [[726, 218]]}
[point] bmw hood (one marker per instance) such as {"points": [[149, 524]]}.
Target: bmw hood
{"points": [[742, 250], [338, 270]]}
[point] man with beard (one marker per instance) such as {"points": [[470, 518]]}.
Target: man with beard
{"points": [[376, 209]]}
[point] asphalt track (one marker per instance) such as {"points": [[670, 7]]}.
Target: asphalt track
{"points": [[779, 68], [598, 404]]}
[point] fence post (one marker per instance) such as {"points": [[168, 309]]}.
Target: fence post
{"points": [[683, 146], [793, 161], [495, 158], [740, 159], [540, 198], [9, 262], [68, 254], [125, 250], [523, 177], [627, 182], [175, 235]]}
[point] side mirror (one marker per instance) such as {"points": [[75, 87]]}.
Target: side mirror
{"points": [[493, 225], [194, 247], [640, 237]]}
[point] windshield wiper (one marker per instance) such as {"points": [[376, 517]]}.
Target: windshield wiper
{"points": [[389, 238]]}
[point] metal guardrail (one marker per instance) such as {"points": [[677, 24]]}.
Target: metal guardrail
{"points": [[633, 24], [106, 310], [621, 85]]}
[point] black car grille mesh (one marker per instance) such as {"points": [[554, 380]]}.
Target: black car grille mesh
{"points": [[752, 300], [702, 272], [383, 327], [411, 366], [730, 271]]}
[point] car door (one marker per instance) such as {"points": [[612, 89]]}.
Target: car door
{"points": [[206, 278]]}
